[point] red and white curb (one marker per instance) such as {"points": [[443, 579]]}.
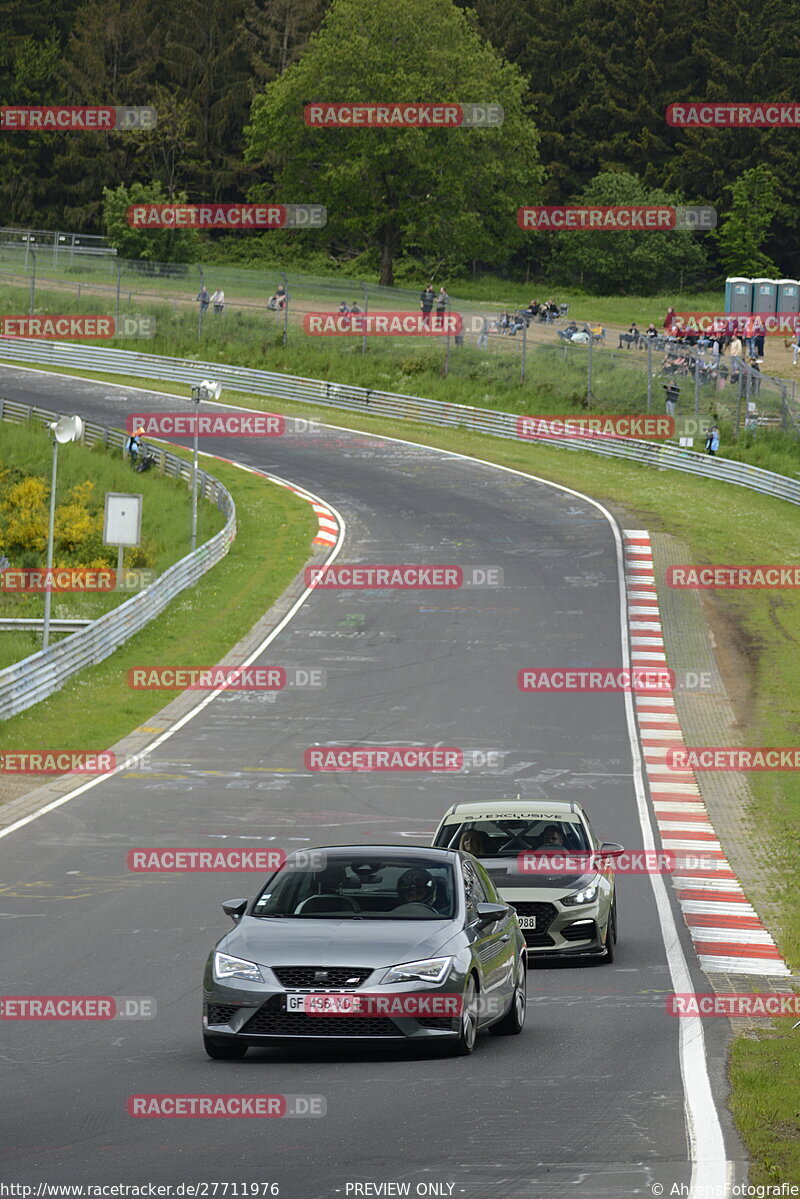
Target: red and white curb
{"points": [[327, 520], [328, 533], [727, 933]]}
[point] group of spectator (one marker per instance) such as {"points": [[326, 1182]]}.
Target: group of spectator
{"points": [[217, 300], [508, 324]]}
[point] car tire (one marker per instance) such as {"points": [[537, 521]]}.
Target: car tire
{"points": [[226, 1050], [611, 935], [468, 1028], [514, 1020]]}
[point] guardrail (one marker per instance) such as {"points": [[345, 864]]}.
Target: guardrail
{"points": [[34, 678], [398, 407]]}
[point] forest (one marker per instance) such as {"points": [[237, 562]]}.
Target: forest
{"points": [[584, 87]]}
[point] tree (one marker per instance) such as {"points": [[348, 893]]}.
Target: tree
{"points": [[623, 261], [744, 230], [149, 245], [435, 194]]}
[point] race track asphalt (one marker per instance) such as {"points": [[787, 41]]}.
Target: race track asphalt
{"points": [[590, 1099]]}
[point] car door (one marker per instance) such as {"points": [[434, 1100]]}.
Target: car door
{"points": [[494, 943]]}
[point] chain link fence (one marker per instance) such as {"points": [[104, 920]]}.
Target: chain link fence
{"points": [[501, 349]]}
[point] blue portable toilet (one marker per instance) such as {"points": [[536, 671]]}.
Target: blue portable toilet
{"points": [[738, 294], [788, 295], [765, 295]]}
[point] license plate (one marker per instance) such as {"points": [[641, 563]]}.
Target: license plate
{"points": [[527, 922], [294, 1003], [314, 1002]]}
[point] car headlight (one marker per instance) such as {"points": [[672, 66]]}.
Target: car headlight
{"points": [[226, 966], [587, 895], [432, 970]]}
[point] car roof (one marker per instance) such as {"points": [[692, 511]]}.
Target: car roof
{"points": [[522, 809], [426, 852]]}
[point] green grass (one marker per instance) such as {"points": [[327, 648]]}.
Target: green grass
{"points": [[166, 522], [275, 529], [720, 523]]}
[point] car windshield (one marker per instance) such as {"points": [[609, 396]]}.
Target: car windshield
{"points": [[506, 838], [355, 887]]}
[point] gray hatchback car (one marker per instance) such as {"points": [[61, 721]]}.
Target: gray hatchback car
{"points": [[368, 942]]}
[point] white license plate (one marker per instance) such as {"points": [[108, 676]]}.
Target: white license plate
{"points": [[321, 1003], [527, 922]]}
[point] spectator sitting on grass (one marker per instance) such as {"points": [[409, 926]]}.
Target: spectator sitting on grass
{"points": [[533, 308]]}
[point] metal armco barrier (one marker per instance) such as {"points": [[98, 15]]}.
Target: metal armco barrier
{"points": [[34, 678], [398, 407]]}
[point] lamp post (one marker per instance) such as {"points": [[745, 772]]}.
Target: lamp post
{"points": [[207, 390], [66, 428]]}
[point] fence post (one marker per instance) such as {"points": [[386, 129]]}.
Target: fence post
{"points": [[696, 383], [119, 284], [33, 284], [524, 350], [200, 305], [366, 310], [784, 410], [589, 369], [649, 373], [285, 307]]}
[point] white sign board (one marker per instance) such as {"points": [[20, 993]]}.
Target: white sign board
{"points": [[122, 524]]}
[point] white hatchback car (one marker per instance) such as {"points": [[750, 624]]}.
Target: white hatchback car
{"points": [[542, 856]]}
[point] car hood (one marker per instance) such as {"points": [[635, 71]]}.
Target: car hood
{"points": [[329, 942], [513, 883]]}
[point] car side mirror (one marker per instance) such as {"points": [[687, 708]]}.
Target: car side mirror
{"points": [[235, 908], [610, 849], [490, 913]]}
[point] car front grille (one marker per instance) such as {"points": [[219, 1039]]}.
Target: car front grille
{"points": [[296, 1024], [545, 913], [337, 976], [219, 1013], [445, 1022]]}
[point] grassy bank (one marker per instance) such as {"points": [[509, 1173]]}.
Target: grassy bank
{"points": [[97, 708], [25, 451]]}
